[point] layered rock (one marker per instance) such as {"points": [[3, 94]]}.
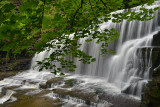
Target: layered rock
{"points": [[16, 65], [151, 97], [156, 39], [153, 52], [12, 67]]}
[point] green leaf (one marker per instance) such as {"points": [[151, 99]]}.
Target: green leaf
{"points": [[93, 59], [8, 7], [62, 74]]}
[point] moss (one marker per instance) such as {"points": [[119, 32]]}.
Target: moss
{"points": [[98, 90], [71, 82], [155, 93], [152, 95], [56, 80], [13, 65]]}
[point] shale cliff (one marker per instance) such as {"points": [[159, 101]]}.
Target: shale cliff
{"points": [[151, 96], [11, 66]]}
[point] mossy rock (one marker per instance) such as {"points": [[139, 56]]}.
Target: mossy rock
{"points": [[56, 80], [152, 95], [155, 94], [98, 90], [71, 82]]}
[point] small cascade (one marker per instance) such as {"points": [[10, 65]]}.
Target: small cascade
{"points": [[79, 102], [7, 94], [140, 74]]}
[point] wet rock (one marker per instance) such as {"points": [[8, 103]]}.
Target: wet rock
{"points": [[43, 86], [126, 90], [99, 90], [16, 65], [119, 100], [154, 52], [156, 71], [66, 86], [71, 82], [54, 81], [3, 91], [156, 39], [36, 100], [88, 102], [8, 74], [88, 97], [151, 95], [10, 67], [50, 83]]}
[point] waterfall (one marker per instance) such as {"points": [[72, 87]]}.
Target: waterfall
{"points": [[126, 69], [123, 68]]}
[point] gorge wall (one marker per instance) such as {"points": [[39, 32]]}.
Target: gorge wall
{"points": [[11, 66], [151, 96]]}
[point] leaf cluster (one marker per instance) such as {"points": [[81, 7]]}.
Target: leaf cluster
{"points": [[37, 25]]}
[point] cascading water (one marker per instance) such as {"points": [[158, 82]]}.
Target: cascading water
{"points": [[126, 69], [123, 68]]}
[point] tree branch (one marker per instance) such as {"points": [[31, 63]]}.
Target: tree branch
{"points": [[94, 14], [77, 12], [103, 3], [42, 17]]}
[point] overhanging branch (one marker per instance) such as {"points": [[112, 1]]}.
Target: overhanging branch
{"points": [[103, 3], [81, 5]]}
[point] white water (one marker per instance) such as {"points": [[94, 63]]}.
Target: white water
{"points": [[122, 70], [7, 96]]}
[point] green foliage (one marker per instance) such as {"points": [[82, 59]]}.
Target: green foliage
{"points": [[16, 28], [40, 24]]}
